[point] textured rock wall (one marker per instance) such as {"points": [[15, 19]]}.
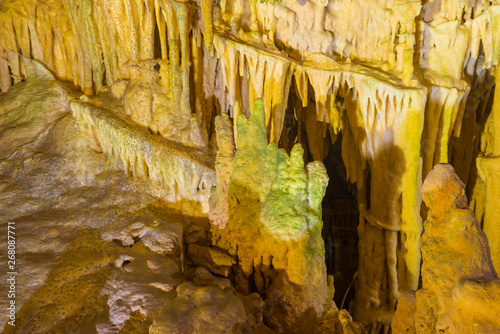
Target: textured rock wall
{"points": [[407, 83]]}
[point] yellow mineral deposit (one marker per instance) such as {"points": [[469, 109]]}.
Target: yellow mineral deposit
{"points": [[176, 166]]}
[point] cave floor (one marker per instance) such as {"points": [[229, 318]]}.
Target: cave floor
{"points": [[94, 250]]}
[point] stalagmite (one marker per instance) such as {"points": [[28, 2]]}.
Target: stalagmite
{"points": [[459, 283], [144, 97]]}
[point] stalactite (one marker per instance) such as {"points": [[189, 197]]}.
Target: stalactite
{"points": [[204, 76], [269, 78], [182, 172], [321, 81], [228, 58], [444, 109], [462, 150], [315, 132], [146, 20], [277, 87], [207, 7], [301, 84]]}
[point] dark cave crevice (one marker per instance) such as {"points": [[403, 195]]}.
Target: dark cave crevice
{"points": [[340, 221]]}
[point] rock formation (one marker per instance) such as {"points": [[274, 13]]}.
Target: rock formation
{"points": [[273, 222], [151, 98], [460, 289]]}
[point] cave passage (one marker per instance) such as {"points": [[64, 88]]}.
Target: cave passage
{"points": [[340, 220]]}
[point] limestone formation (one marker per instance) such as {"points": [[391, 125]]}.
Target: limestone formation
{"points": [[460, 288], [231, 116], [273, 223]]}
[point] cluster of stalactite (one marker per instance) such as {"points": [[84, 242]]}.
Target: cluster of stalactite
{"points": [[182, 173], [96, 43], [90, 42], [331, 75], [378, 123], [394, 133]]}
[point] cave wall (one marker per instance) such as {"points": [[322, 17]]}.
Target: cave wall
{"points": [[406, 82]]}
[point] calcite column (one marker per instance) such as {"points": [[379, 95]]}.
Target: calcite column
{"points": [[386, 135], [489, 170]]}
